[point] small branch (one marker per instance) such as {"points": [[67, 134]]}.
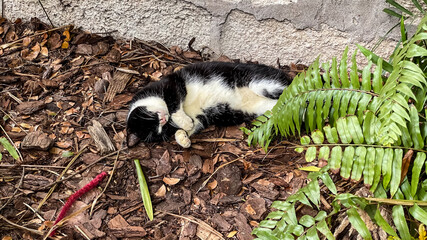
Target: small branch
{"points": [[44, 10], [397, 202], [21, 227]]}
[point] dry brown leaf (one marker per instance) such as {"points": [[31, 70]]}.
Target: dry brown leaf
{"points": [[65, 45], [31, 55], [44, 51], [405, 163], [71, 111], [25, 125], [16, 129], [54, 41], [161, 192], [157, 74], [196, 201], [231, 234], [212, 185], [250, 210], [82, 135], [64, 144], [193, 55], [66, 33], [208, 166], [254, 223], [7, 238], [26, 41], [55, 150], [171, 181]]}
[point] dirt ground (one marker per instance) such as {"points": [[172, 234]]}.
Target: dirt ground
{"points": [[56, 83]]}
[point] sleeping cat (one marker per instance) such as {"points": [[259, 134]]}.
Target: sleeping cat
{"points": [[202, 94]]}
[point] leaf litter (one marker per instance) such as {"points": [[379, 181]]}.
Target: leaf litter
{"points": [[64, 98]]}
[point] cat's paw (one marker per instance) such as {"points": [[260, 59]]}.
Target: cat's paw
{"points": [[183, 121], [182, 138]]}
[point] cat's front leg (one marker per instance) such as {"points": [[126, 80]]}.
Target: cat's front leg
{"points": [[182, 120], [182, 138]]}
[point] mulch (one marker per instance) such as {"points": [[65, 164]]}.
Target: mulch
{"points": [[62, 88]]}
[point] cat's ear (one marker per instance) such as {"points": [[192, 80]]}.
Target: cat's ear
{"points": [[132, 139]]}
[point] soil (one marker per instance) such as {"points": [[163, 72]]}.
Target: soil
{"points": [[64, 89]]}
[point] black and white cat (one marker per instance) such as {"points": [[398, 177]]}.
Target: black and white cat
{"points": [[202, 94]]}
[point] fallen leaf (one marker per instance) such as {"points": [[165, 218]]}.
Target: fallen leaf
{"points": [[55, 150], [71, 111], [66, 33], [250, 210], [405, 163], [64, 144], [254, 223], [212, 185], [26, 41], [231, 234], [54, 41], [171, 181], [44, 51], [161, 192], [25, 125], [65, 45], [16, 129]]}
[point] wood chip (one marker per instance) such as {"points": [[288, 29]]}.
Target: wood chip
{"points": [[117, 85], [102, 141]]}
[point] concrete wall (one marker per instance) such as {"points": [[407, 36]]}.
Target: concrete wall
{"points": [[260, 30]]}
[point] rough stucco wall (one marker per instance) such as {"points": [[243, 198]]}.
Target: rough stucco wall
{"points": [[260, 30]]}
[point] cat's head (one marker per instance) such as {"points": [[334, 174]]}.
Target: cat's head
{"points": [[147, 121]]}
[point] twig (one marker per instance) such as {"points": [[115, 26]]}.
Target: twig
{"points": [[44, 10], [81, 232], [136, 58], [163, 51], [35, 212], [14, 97], [21, 227], [27, 165]]}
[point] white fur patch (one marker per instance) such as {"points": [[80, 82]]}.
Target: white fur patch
{"points": [[271, 86], [153, 104], [247, 99]]}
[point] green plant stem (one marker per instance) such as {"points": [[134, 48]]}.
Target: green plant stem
{"points": [[396, 202]]}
